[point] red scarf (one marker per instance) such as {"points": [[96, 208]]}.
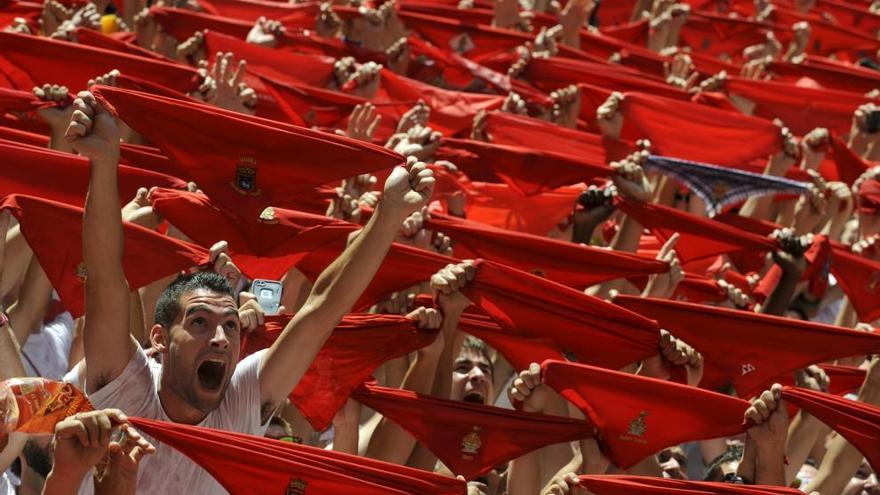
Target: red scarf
{"points": [[470, 439], [638, 416], [571, 264], [700, 237], [246, 464], [858, 422], [700, 133], [54, 232], [500, 206], [255, 162], [752, 350], [32, 61]]}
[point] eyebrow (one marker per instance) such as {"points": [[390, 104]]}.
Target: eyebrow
{"points": [[208, 309]]}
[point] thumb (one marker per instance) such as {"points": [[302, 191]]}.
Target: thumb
{"points": [[245, 297]]}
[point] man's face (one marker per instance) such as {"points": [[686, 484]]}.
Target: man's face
{"points": [[203, 348], [472, 378]]}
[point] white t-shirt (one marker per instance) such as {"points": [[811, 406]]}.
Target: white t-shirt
{"points": [[49, 350], [168, 471], [6, 487]]}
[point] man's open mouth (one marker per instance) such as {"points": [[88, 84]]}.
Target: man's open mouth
{"points": [[211, 374], [474, 397]]}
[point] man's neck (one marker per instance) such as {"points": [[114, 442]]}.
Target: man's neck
{"points": [[176, 407]]}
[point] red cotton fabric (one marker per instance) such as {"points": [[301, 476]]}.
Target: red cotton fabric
{"points": [[638, 416], [587, 328], [858, 422], [246, 464], [527, 170], [148, 255], [801, 109], [470, 439], [570, 264], [519, 351], [860, 279], [264, 246], [700, 237], [64, 177], [359, 344], [646, 485], [501, 206], [14, 100], [245, 163], [30, 61], [869, 196], [752, 350], [700, 133]]}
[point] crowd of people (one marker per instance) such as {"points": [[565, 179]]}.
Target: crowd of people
{"points": [[481, 247]]}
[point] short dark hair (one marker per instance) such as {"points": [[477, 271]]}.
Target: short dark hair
{"points": [[168, 305], [713, 470]]}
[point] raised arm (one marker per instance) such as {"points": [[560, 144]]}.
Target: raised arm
{"points": [[93, 133], [338, 288]]}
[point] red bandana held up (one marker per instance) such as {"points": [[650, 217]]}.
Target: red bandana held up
{"points": [[470, 439], [254, 163], [148, 255], [14, 100], [858, 422], [700, 237], [64, 177], [501, 206], [590, 329], [638, 416], [31, 61], [752, 350], [526, 169], [724, 137], [263, 246], [571, 264], [246, 464], [359, 344]]}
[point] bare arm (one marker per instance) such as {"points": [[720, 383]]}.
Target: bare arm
{"points": [[842, 459], [108, 345], [27, 313], [340, 285]]}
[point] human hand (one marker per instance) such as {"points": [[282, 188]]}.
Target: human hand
{"points": [[265, 32], [813, 147], [790, 255], [735, 295], [418, 142], [769, 418], [223, 87], [58, 117], [398, 56], [812, 377], [328, 24], [145, 28], [630, 178], [673, 351], [407, 189], [363, 122], [223, 265], [417, 116], [93, 131], [528, 391], [250, 313], [514, 104], [192, 49], [447, 284], [564, 484], [608, 117], [573, 18], [811, 207], [426, 318], [82, 440], [663, 285], [681, 73], [53, 15], [119, 473], [566, 106]]}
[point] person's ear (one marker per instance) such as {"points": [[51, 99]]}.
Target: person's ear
{"points": [[159, 338]]}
